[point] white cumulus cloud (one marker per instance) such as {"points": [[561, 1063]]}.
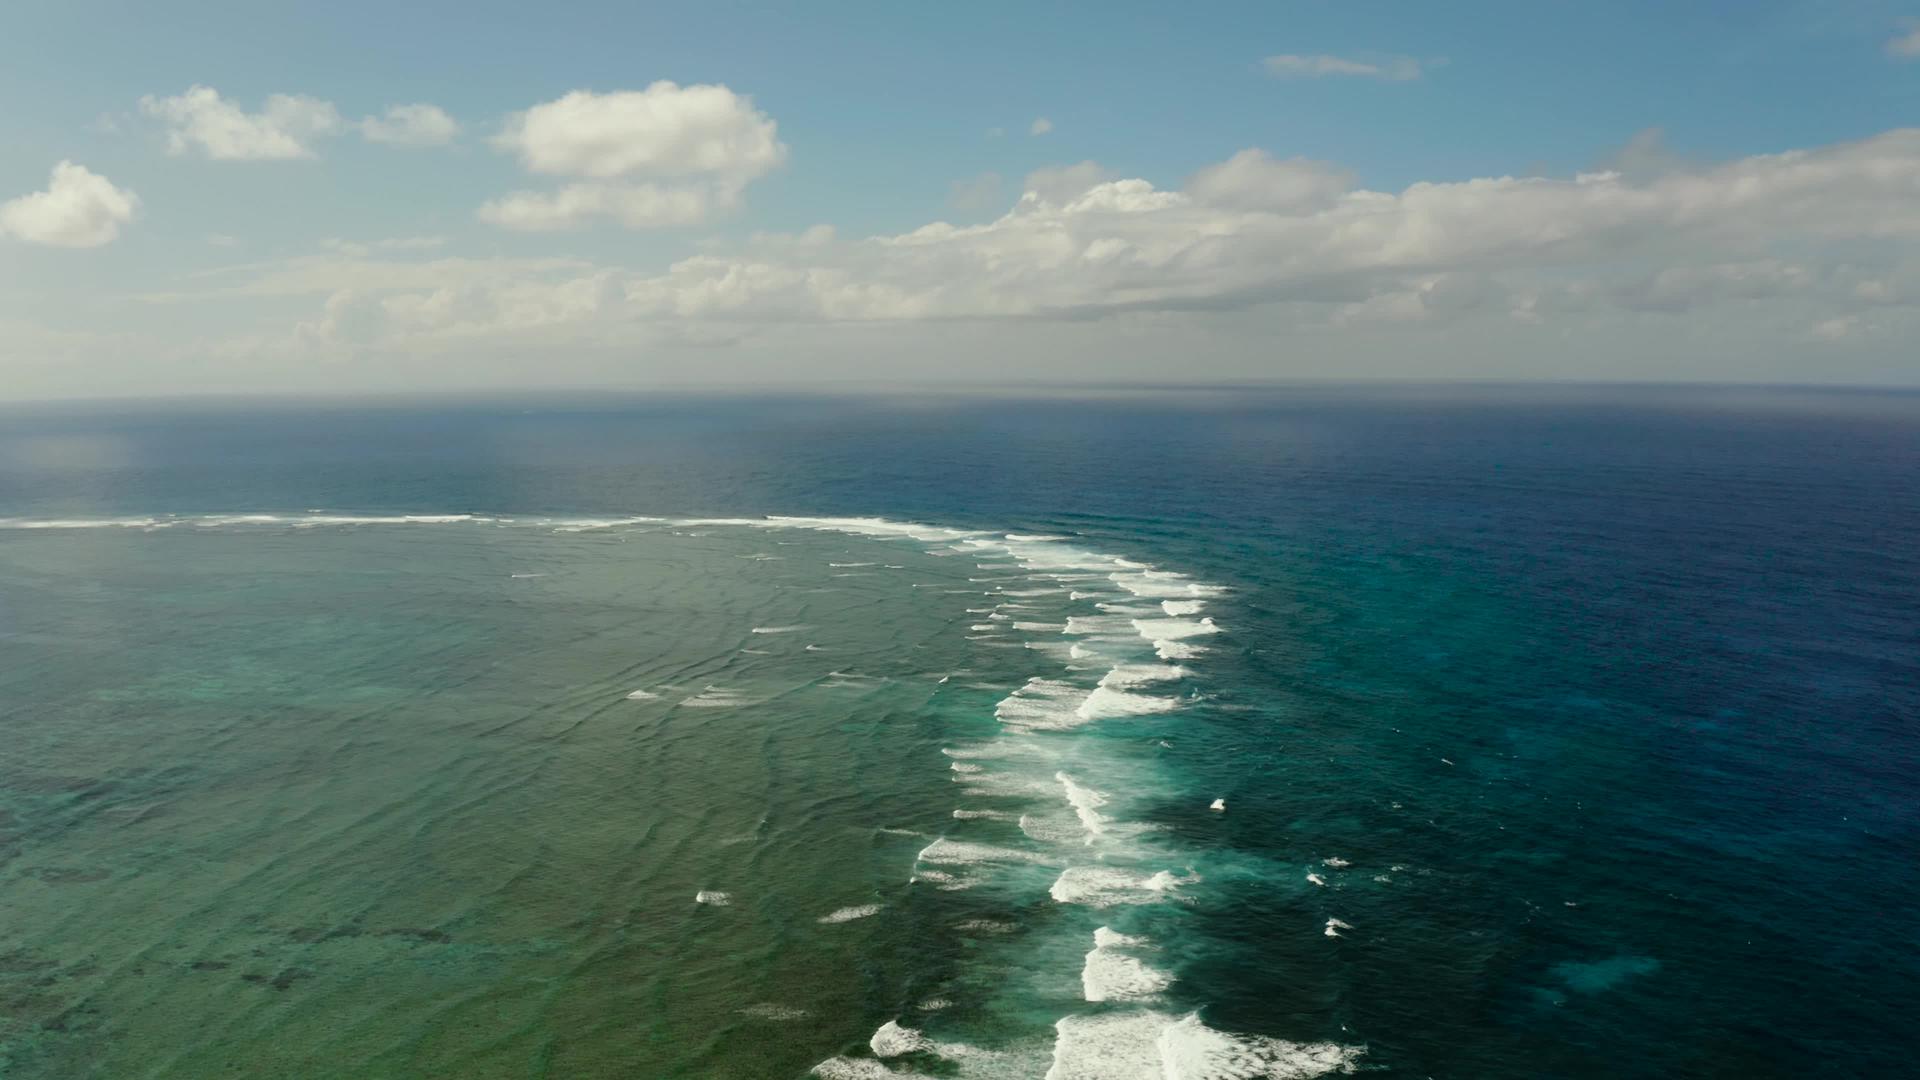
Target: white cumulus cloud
{"points": [[666, 155], [80, 208], [1040, 126], [283, 129], [1389, 68], [411, 125]]}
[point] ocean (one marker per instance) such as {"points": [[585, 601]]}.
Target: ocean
{"points": [[1402, 731]]}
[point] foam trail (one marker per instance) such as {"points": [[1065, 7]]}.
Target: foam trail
{"points": [[848, 914]]}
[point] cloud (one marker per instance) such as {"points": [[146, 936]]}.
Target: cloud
{"points": [[1834, 329], [637, 206], [1645, 156], [1388, 68], [391, 243], [411, 125], [1064, 183], [1253, 180], [664, 130], [202, 120], [975, 192], [666, 155], [1906, 45], [79, 209], [1040, 126], [1254, 231], [1756, 249]]}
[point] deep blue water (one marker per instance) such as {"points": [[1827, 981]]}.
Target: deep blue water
{"points": [[1631, 676]]}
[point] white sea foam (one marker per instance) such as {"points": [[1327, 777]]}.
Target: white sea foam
{"points": [[315, 520], [1104, 701], [1042, 704], [1086, 803], [1150, 1045], [1108, 625], [848, 914], [779, 629], [715, 697], [1334, 926], [846, 1068], [1109, 974], [1157, 630], [712, 898], [642, 695], [84, 523], [892, 1040], [1052, 829], [1108, 1046], [1181, 607], [1176, 650], [1190, 1050], [944, 852], [1127, 676], [1107, 886]]}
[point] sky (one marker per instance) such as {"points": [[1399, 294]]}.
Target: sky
{"points": [[233, 198]]}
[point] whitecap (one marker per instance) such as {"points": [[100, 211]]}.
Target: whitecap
{"points": [[848, 914], [1086, 803], [1111, 975], [712, 898], [892, 1040], [944, 852], [1106, 886], [1158, 630], [1190, 1050]]}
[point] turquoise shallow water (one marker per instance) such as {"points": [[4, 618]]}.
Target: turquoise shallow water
{"points": [[485, 797], [1589, 716]]}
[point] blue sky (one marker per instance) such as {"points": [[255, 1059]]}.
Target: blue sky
{"points": [[885, 114]]}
